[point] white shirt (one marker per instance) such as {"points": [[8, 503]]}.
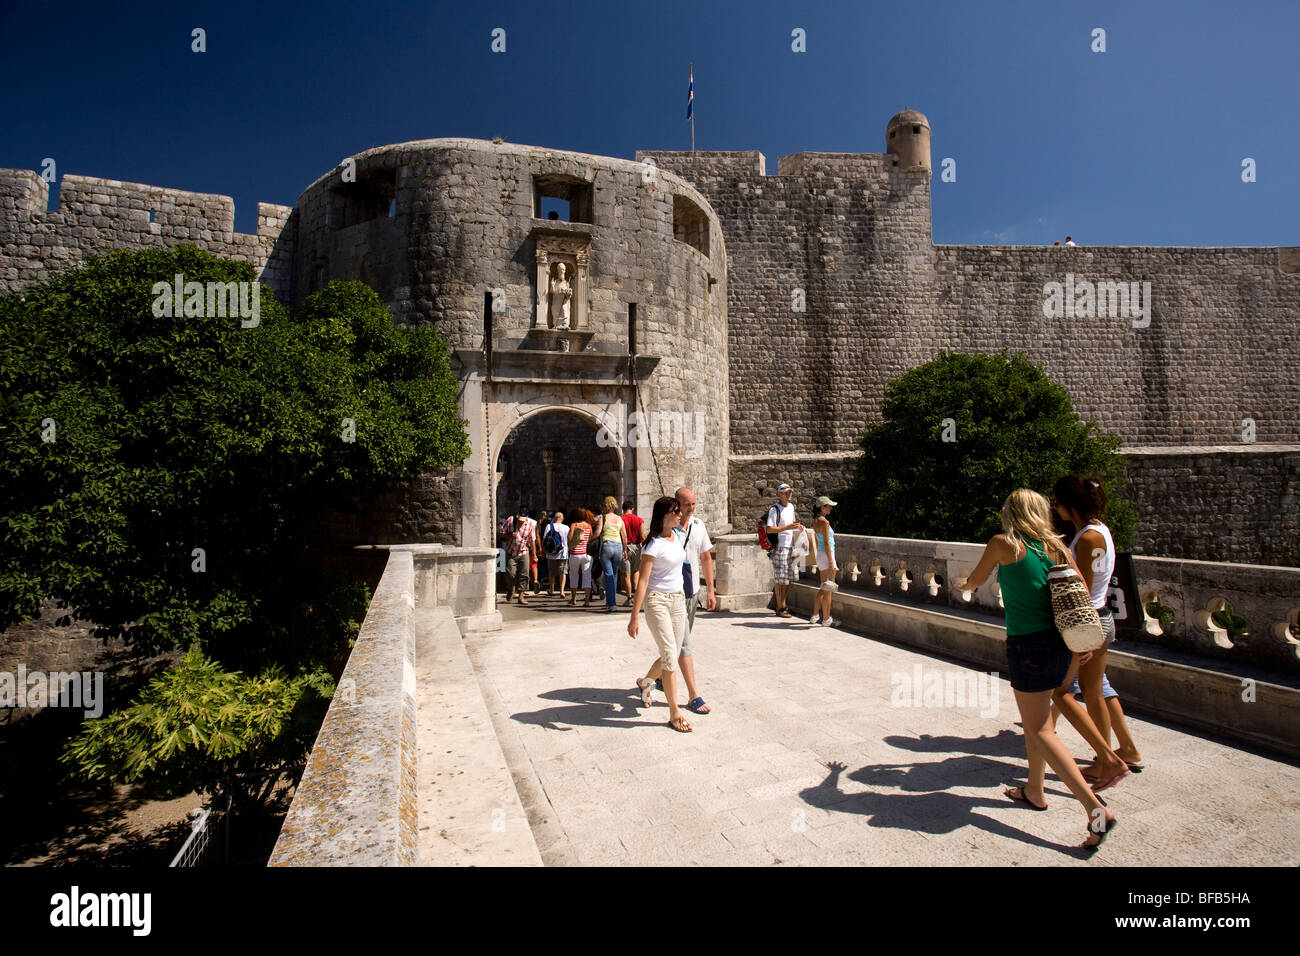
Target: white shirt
{"points": [[783, 538], [697, 545], [666, 571], [1103, 565]]}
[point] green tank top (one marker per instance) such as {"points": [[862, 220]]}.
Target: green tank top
{"points": [[1026, 596]]}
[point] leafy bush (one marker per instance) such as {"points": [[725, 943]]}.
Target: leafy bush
{"points": [[128, 441], [1013, 427], [183, 433]]}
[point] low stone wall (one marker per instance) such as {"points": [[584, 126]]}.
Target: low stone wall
{"points": [[924, 573], [357, 802], [463, 579]]}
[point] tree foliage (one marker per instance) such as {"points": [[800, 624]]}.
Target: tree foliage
{"points": [[181, 433], [165, 477], [1008, 426]]}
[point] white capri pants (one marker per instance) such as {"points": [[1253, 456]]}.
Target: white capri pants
{"points": [[665, 613], [580, 571]]}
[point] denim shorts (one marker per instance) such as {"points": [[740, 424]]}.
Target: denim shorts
{"points": [[1037, 661]]}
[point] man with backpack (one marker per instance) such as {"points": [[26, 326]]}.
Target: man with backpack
{"points": [[520, 532], [555, 545], [781, 527]]}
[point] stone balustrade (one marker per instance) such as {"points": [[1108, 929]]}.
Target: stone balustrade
{"points": [[926, 572]]}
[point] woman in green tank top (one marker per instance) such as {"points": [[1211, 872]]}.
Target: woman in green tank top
{"points": [[1041, 665]]}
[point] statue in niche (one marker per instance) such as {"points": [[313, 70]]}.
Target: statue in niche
{"points": [[560, 294]]}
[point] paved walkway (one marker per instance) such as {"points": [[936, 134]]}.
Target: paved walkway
{"points": [[806, 760]]}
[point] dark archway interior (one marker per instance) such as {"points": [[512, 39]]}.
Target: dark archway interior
{"points": [[582, 475]]}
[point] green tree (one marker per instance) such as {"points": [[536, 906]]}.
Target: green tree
{"points": [[165, 477], [1007, 426]]}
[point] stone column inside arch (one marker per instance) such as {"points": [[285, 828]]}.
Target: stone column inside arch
{"points": [[549, 458]]}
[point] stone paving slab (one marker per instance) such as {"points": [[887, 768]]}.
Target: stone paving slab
{"points": [[805, 761], [469, 809]]}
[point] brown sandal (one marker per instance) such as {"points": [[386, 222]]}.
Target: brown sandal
{"points": [[680, 725]]}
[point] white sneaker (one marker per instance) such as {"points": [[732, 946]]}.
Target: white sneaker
{"points": [[814, 619], [831, 622]]}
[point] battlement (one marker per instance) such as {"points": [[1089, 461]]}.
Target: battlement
{"points": [[95, 215], [847, 165]]}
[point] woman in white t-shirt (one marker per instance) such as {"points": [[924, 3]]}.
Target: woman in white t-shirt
{"points": [[659, 587], [1079, 500]]}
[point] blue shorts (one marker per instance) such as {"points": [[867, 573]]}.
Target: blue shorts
{"points": [[1107, 692], [1037, 661]]}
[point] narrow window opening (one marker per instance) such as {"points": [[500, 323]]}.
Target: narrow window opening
{"points": [[152, 213], [562, 198], [372, 196], [690, 224], [631, 328]]}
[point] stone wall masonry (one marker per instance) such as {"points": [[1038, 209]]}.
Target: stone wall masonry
{"points": [[851, 232], [1228, 503], [96, 215], [1237, 503], [854, 233], [1221, 346]]}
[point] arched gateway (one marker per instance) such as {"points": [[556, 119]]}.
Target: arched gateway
{"points": [[612, 314]]}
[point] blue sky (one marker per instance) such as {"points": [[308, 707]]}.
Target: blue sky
{"points": [[1140, 145]]}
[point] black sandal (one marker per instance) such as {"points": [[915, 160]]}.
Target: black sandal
{"points": [[1022, 798]]}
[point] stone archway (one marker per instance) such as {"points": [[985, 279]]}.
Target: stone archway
{"points": [[563, 441]]}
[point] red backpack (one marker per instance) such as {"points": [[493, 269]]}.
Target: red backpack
{"points": [[764, 541]]}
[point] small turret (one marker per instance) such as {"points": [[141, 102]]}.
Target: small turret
{"points": [[908, 138]]}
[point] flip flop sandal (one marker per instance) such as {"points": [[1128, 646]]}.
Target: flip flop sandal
{"points": [[1022, 798], [1101, 836], [684, 727], [1099, 787], [699, 706]]}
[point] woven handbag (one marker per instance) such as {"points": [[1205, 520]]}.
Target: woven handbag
{"points": [[1076, 618]]}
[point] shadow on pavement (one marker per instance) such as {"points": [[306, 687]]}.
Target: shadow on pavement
{"points": [[927, 809], [589, 707]]}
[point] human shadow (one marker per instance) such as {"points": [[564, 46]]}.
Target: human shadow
{"points": [[927, 811], [1005, 743], [588, 707]]}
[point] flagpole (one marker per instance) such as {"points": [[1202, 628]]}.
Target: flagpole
{"points": [[692, 110]]}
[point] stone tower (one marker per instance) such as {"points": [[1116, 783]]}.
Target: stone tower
{"points": [[907, 137]]}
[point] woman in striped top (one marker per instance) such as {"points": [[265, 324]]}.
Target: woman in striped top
{"points": [[579, 559]]}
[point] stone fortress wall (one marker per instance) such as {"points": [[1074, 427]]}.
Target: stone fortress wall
{"points": [[853, 232], [436, 226]]}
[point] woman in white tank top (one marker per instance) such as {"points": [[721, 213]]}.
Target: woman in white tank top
{"points": [[1080, 500]]}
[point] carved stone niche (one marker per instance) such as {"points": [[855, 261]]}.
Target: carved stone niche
{"points": [[560, 287]]}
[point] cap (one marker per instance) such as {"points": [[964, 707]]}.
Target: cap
{"points": [[783, 488], [823, 500]]}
